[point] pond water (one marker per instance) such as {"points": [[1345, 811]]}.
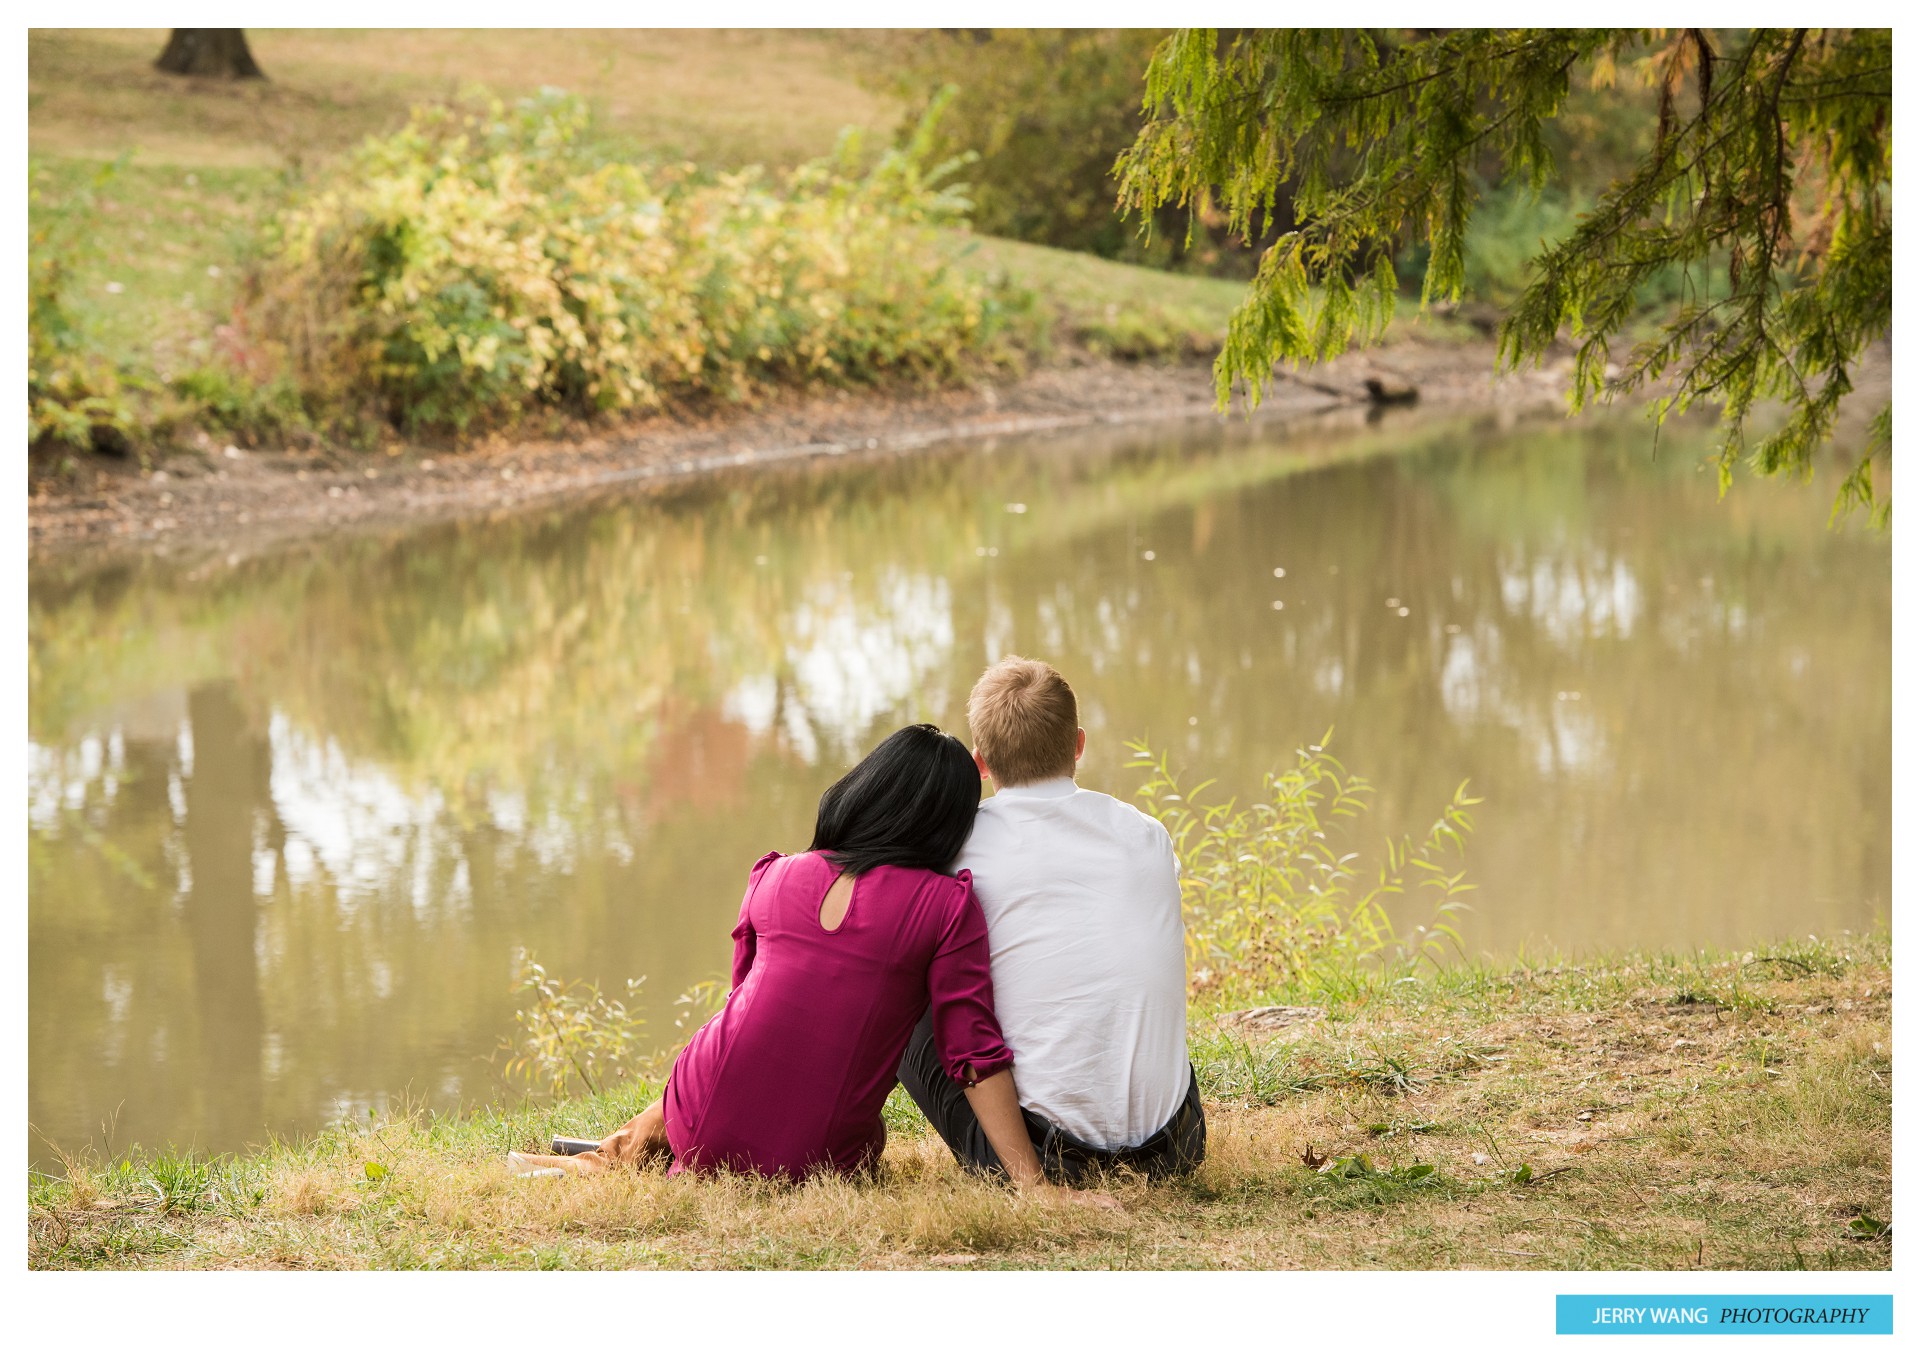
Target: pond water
{"points": [[289, 819]]}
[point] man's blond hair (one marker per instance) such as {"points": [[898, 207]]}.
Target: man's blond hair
{"points": [[1025, 722]]}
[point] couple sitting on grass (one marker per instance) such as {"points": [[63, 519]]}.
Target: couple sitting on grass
{"points": [[1017, 965]]}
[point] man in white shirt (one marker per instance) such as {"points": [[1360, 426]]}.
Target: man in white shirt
{"points": [[1082, 898]]}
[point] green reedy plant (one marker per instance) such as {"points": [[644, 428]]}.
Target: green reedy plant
{"points": [[697, 1003], [1268, 898], [569, 1031], [181, 1182]]}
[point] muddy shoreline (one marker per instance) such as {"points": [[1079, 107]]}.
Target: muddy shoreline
{"points": [[220, 499]]}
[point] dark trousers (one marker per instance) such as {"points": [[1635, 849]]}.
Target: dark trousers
{"points": [[1176, 1147]]}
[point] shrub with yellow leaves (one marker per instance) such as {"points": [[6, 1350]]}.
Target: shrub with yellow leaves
{"points": [[480, 264]]}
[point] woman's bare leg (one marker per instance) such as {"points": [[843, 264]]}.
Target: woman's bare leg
{"points": [[642, 1139]]}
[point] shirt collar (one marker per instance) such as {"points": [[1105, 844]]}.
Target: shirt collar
{"points": [[1064, 786]]}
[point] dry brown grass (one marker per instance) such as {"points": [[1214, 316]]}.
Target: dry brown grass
{"points": [[718, 96], [1652, 1113]]}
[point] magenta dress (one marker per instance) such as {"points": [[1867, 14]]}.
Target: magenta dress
{"points": [[790, 1076]]}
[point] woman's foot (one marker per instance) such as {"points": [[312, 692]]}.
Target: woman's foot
{"points": [[554, 1165], [640, 1140]]}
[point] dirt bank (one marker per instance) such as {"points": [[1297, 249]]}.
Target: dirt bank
{"points": [[219, 498]]}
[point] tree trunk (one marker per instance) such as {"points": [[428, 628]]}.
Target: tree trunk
{"points": [[220, 53]]}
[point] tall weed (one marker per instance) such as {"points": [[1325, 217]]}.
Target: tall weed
{"points": [[569, 1030], [1269, 897]]}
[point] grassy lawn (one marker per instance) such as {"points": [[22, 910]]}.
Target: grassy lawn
{"points": [[164, 249], [1112, 308], [723, 97], [1659, 1112]]}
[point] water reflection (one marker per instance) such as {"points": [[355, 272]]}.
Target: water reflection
{"points": [[287, 821]]}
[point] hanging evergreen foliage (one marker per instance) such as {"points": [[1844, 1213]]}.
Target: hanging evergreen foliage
{"points": [[1769, 182]]}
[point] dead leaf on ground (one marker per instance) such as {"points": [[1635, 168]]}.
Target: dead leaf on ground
{"points": [[1313, 1160]]}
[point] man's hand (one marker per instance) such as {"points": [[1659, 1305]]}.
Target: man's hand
{"points": [[997, 1106]]}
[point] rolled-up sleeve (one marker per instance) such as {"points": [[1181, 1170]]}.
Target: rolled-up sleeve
{"points": [[745, 937], [960, 985]]}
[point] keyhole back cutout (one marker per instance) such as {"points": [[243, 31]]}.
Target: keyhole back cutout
{"points": [[834, 905]]}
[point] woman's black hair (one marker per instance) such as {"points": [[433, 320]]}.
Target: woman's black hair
{"points": [[910, 803]]}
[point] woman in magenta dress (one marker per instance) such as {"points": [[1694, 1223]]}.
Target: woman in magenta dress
{"points": [[838, 953]]}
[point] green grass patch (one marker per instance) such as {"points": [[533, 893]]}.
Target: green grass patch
{"points": [[1112, 309]]}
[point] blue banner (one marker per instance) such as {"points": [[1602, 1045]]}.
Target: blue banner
{"points": [[1718, 1315]]}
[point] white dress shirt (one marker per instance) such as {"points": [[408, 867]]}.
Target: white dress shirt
{"points": [[1082, 898]]}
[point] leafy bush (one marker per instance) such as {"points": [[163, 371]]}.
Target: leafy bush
{"points": [[1510, 228], [75, 398], [1269, 899], [219, 396], [477, 265], [1047, 111], [1505, 234]]}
